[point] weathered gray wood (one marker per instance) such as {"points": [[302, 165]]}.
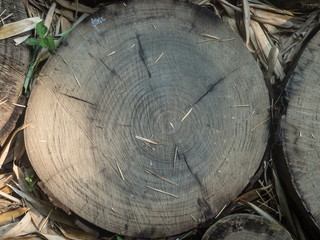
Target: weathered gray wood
{"points": [[301, 134], [14, 61], [244, 227], [137, 70]]}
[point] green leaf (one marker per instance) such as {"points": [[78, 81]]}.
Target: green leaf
{"points": [[43, 42], [28, 179], [119, 238], [32, 41], [41, 30], [31, 188], [51, 45]]}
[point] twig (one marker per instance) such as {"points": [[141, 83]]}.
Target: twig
{"points": [[259, 124], [239, 106], [146, 140], [5, 18], [121, 174], [110, 54], [77, 80], [159, 57], [187, 114], [160, 177], [161, 191], [13, 199], [219, 213], [175, 158]]}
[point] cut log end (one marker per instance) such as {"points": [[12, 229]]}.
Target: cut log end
{"points": [[14, 61], [152, 142], [244, 227], [299, 163]]}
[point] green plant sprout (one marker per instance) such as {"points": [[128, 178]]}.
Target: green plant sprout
{"points": [[31, 180], [44, 41], [43, 46]]}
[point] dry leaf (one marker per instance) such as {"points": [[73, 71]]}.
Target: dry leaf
{"points": [[78, 7], [64, 24], [15, 28], [251, 195], [53, 236], [76, 234], [26, 237], [5, 151], [246, 20], [6, 190], [11, 215], [265, 48], [25, 226], [20, 40], [49, 16]]}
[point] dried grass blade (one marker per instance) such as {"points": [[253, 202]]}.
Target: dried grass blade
{"points": [[49, 17], [187, 114], [265, 47], [280, 20], [11, 198], [5, 151], [263, 122], [20, 40], [161, 191], [76, 6], [175, 158], [272, 61], [120, 171], [146, 140], [246, 20], [262, 213], [160, 177], [284, 204], [25, 226], [15, 28]]}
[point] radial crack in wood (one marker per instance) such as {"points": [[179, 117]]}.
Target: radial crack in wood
{"points": [[126, 116]]}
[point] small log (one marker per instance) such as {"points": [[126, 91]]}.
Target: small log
{"points": [[149, 119], [298, 160], [244, 227], [14, 61]]}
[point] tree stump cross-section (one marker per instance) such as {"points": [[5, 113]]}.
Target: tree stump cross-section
{"points": [[144, 123]]}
